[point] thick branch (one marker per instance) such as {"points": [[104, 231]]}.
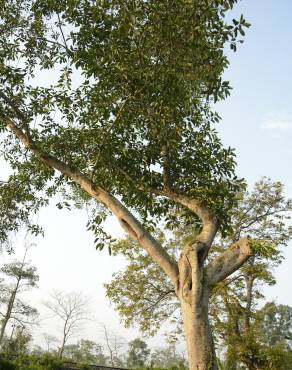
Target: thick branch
{"points": [[229, 261], [127, 220], [209, 221]]}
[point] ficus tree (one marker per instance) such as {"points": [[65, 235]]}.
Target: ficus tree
{"points": [[112, 101]]}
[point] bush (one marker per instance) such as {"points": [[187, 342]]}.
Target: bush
{"points": [[6, 365], [26, 362]]}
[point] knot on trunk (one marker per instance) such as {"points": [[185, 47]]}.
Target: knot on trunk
{"points": [[190, 271]]}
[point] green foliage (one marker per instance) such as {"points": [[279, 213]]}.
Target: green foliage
{"points": [[17, 207], [6, 365], [16, 277], [86, 352], [27, 362], [144, 296], [132, 85], [18, 343], [141, 293], [168, 358], [138, 353]]}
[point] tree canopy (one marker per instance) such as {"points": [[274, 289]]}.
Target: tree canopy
{"points": [[126, 119], [129, 104]]}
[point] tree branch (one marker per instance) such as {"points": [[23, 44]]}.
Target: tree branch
{"points": [[209, 221], [127, 220], [229, 261]]}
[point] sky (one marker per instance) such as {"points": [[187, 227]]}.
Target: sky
{"points": [[256, 121]]}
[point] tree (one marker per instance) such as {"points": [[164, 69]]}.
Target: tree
{"points": [[276, 321], [85, 351], [127, 122], [138, 353], [114, 346], [264, 214], [18, 342], [144, 296], [168, 357], [72, 310], [265, 345], [19, 276]]}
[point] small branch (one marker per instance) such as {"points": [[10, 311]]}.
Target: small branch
{"points": [[167, 183], [62, 33]]}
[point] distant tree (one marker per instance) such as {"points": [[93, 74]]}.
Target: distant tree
{"points": [[266, 345], [168, 357], [276, 324], [17, 277], [264, 214], [50, 341], [18, 342], [114, 346], [138, 353], [85, 351], [71, 309]]}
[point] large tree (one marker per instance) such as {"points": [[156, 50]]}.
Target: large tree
{"points": [[144, 296], [125, 119]]}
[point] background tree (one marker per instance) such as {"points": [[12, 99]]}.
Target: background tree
{"points": [[71, 309], [264, 214], [19, 276], [85, 351], [168, 357], [18, 342], [138, 353], [134, 131], [114, 347]]}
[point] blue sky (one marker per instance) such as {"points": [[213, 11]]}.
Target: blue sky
{"points": [[256, 120]]}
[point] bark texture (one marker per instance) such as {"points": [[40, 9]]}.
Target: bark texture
{"points": [[193, 293]]}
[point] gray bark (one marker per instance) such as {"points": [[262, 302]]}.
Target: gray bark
{"points": [[193, 293]]}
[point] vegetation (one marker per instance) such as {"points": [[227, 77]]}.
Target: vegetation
{"points": [[144, 296], [128, 123], [17, 277], [125, 125]]}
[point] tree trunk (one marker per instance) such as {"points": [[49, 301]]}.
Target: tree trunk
{"points": [[247, 312], [7, 315], [194, 295], [200, 347]]}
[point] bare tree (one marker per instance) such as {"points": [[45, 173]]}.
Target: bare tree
{"points": [[114, 344], [50, 340], [72, 310]]}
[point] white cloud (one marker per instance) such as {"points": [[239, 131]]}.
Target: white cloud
{"points": [[278, 122]]}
